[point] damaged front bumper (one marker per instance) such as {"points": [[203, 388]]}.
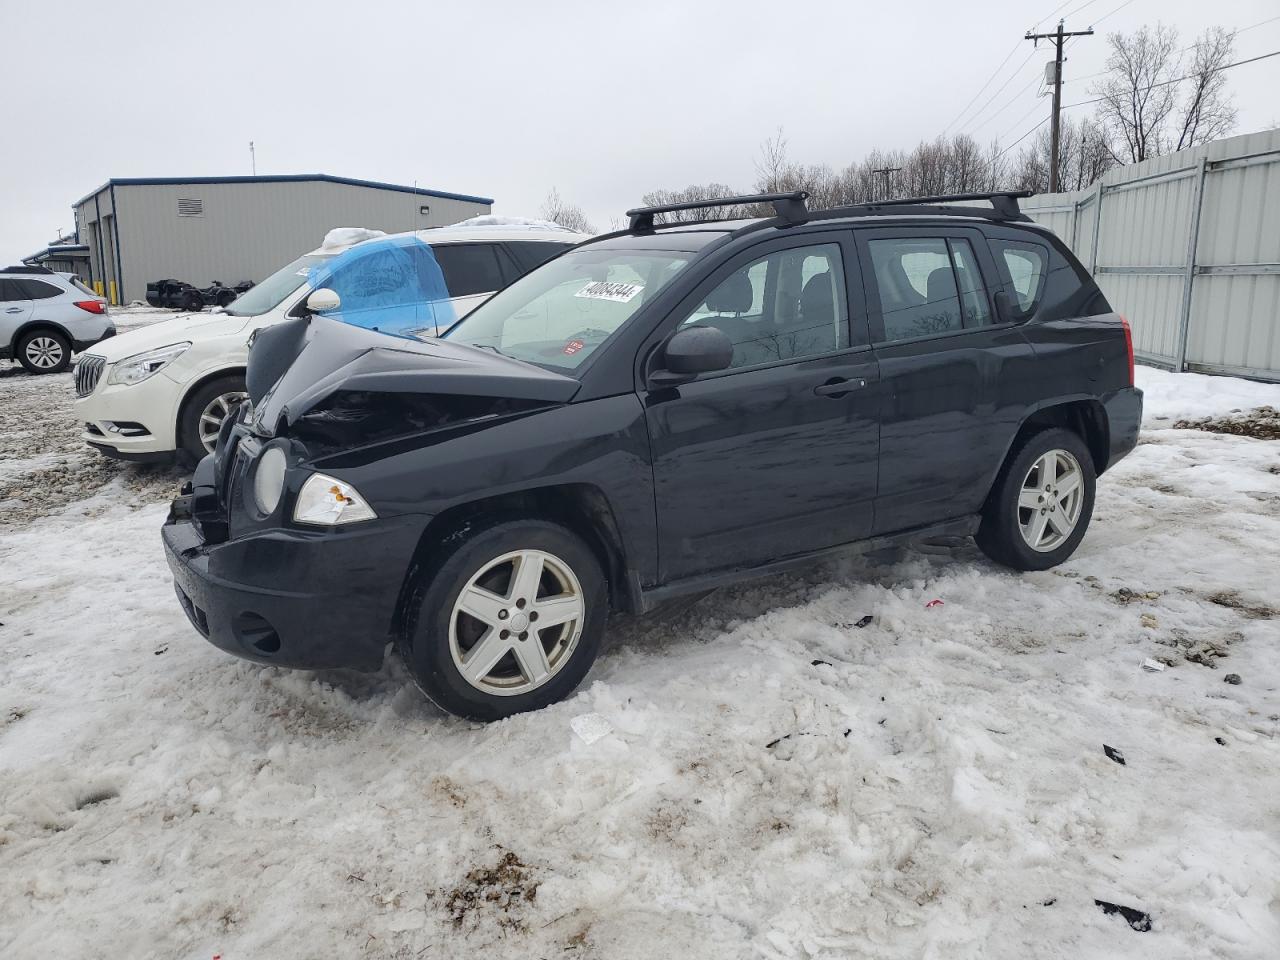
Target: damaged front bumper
{"points": [[307, 599]]}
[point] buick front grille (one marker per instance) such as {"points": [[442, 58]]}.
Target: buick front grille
{"points": [[88, 371]]}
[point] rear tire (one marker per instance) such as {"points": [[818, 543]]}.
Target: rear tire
{"points": [[44, 351], [472, 639], [1043, 496], [216, 399]]}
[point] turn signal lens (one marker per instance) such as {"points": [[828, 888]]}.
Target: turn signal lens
{"points": [[327, 501]]}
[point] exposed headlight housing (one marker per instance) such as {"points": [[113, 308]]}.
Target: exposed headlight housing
{"points": [[268, 479], [139, 367], [327, 501]]}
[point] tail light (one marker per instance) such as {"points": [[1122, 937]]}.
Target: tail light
{"points": [[1128, 346], [92, 306]]}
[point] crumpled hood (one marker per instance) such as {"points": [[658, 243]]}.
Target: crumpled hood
{"points": [[337, 357], [189, 327]]}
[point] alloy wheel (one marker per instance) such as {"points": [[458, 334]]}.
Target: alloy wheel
{"points": [[516, 623], [1050, 500], [215, 412], [44, 352]]}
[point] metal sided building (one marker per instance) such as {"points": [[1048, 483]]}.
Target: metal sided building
{"points": [[202, 229]]}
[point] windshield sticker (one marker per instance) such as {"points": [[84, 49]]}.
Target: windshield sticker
{"points": [[572, 347], [604, 290]]}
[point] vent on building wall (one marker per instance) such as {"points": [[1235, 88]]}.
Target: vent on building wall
{"points": [[190, 208]]}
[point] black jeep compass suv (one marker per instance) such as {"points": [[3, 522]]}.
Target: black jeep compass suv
{"points": [[655, 412]]}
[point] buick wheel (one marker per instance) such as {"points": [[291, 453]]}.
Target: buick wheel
{"points": [[508, 620], [204, 411], [44, 351], [1042, 502]]}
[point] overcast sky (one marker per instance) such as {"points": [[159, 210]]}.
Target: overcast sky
{"points": [[603, 100]]}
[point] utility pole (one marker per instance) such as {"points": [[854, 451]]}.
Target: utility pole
{"points": [[1059, 37], [886, 172]]}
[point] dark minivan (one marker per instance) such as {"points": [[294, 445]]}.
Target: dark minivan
{"points": [[656, 412]]}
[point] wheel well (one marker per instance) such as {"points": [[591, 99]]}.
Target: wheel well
{"points": [[33, 326], [1086, 418], [581, 507], [191, 391]]}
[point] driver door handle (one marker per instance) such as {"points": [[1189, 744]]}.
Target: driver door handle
{"points": [[839, 386]]}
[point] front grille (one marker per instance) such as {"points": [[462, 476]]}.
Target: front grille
{"points": [[88, 372]]}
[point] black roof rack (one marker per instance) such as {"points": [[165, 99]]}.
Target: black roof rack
{"points": [[788, 207], [1004, 205], [25, 270]]}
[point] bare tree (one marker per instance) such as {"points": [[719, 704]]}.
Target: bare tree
{"points": [[568, 215], [692, 194], [1138, 91], [1207, 112], [772, 164], [1083, 156]]}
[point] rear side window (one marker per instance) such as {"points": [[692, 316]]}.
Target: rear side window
{"points": [[1026, 264], [532, 253], [9, 291], [469, 268], [36, 289], [928, 285]]}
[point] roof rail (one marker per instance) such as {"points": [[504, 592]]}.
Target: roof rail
{"points": [[31, 269], [789, 207], [1004, 205]]}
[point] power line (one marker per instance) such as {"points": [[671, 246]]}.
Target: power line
{"points": [[1113, 12], [999, 90], [1036, 82], [1163, 83], [982, 88], [1190, 46]]}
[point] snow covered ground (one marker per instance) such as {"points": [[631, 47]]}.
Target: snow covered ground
{"points": [[764, 778]]}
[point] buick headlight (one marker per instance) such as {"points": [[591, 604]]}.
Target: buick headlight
{"points": [[327, 501], [137, 368], [268, 479]]}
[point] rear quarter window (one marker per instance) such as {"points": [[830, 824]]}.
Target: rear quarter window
{"points": [[1043, 281], [37, 289]]}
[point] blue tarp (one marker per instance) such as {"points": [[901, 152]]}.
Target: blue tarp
{"points": [[393, 285]]}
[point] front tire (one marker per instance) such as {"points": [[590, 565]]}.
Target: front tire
{"points": [[204, 412], [44, 351], [509, 619], [1042, 502]]}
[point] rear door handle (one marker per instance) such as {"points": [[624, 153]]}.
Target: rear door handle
{"points": [[14, 310], [839, 386]]}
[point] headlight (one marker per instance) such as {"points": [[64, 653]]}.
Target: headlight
{"points": [[137, 368], [268, 479], [326, 501]]}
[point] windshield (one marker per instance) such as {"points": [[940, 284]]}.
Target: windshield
{"points": [[271, 292], [562, 312]]}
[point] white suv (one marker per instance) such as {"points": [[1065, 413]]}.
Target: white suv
{"points": [[46, 316], [166, 388]]}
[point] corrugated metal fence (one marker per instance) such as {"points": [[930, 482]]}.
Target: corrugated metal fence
{"points": [[1187, 246]]}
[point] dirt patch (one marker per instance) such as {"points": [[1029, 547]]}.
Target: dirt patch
{"points": [[501, 893], [1126, 595], [1233, 601], [45, 466], [1261, 423], [1206, 651]]}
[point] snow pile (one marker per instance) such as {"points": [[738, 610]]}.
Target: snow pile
{"points": [[509, 223], [766, 775], [339, 238]]}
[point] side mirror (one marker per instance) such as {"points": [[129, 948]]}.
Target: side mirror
{"points": [[691, 351], [323, 300]]}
